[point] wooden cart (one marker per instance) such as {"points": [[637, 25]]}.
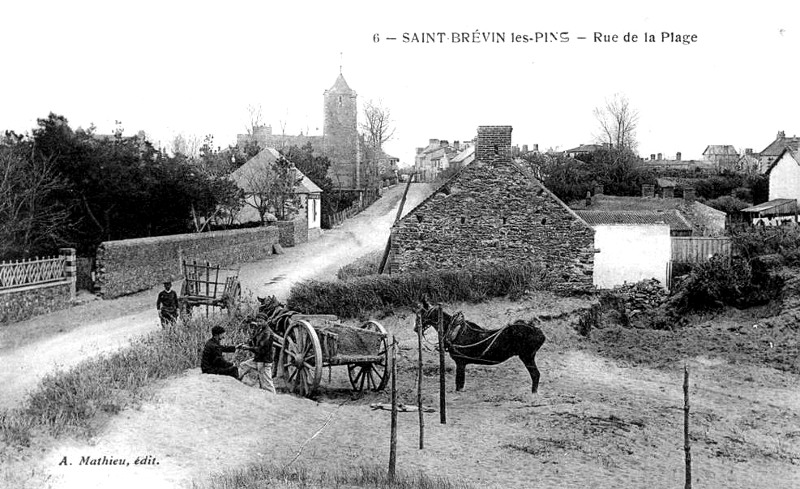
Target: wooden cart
{"points": [[312, 342], [208, 285]]}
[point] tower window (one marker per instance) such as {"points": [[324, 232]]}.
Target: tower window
{"points": [[340, 100]]}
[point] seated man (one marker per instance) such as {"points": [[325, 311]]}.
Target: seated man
{"points": [[212, 361], [261, 346]]}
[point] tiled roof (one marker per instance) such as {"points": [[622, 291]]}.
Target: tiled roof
{"points": [[672, 218], [340, 85], [260, 162], [776, 147], [720, 149], [772, 204], [586, 148]]}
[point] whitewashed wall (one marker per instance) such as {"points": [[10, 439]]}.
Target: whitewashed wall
{"points": [[784, 179], [630, 253]]}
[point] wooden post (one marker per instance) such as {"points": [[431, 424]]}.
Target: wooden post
{"points": [[442, 399], [388, 248], [686, 443], [208, 278], [419, 385], [393, 442]]}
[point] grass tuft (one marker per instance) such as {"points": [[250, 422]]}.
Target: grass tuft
{"points": [[371, 476], [72, 401]]}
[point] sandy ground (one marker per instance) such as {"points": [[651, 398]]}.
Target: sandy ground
{"points": [[595, 422], [103, 326]]}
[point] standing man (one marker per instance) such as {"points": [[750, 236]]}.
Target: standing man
{"points": [[261, 346], [212, 361], [167, 304]]}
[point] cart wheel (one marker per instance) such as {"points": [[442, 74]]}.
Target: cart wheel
{"points": [[301, 359], [371, 375], [232, 298]]}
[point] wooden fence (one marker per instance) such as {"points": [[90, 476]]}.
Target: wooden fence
{"points": [[23, 273], [331, 220], [698, 249]]}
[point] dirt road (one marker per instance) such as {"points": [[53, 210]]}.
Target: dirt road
{"points": [[104, 326], [595, 422]]}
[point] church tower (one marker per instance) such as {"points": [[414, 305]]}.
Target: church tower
{"points": [[340, 134]]}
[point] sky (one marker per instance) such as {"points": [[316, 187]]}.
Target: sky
{"points": [[194, 68]]}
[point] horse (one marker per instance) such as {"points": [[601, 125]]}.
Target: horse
{"points": [[277, 316], [469, 343]]}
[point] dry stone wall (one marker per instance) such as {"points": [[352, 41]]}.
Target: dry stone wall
{"points": [[27, 302], [128, 266], [495, 213], [293, 232]]}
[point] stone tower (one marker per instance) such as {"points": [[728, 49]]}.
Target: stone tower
{"points": [[340, 134]]}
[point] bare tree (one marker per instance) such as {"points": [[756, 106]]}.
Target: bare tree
{"points": [[32, 219], [377, 128], [255, 119], [618, 123], [188, 146], [271, 188]]}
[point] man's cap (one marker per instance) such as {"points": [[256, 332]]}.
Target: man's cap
{"points": [[217, 330]]}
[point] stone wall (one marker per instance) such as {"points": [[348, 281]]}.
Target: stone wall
{"points": [[128, 266], [495, 213], [293, 232], [27, 302]]}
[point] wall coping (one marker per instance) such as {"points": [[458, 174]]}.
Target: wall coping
{"points": [[185, 236]]}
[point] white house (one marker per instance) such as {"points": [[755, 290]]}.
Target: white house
{"points": [[784, 175], [632, 245], [310, 204]]}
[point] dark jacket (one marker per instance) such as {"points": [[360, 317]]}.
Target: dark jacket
{"points": [[212, 356], [261, 345], [167, 300]]}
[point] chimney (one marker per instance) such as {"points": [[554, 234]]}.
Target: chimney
{"points": [[659, 157], [419, 150], [493, 144], [598, 189], [524, 148], [678, 156], [748, 151], [443, 143], [648, 190], [668, 192], [652, 157], [781, 134], [433, 142], [515, 151], [536, 148], [457, 145], [689, 194]]}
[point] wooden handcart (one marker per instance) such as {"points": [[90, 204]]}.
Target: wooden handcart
{"points": [[312, 342], [208, 285]]}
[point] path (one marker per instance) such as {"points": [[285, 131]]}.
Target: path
{"points": [[116, 322]]}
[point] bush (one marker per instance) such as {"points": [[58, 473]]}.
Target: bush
{"points": [[753, 241], [734, 282], [359, 296]]}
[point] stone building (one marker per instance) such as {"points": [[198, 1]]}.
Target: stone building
{"points": [[340, 140], [491, 212]]}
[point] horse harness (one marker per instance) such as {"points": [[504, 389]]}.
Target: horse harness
{"points": [[454, 329]]}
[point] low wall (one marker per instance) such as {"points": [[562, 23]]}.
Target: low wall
{"points": [[128, 266], [293, 232], [27, 302]]}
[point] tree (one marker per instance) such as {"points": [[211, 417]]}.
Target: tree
{"points": [[618, 123], [271, 188], [33, 217], [376, 129]]}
